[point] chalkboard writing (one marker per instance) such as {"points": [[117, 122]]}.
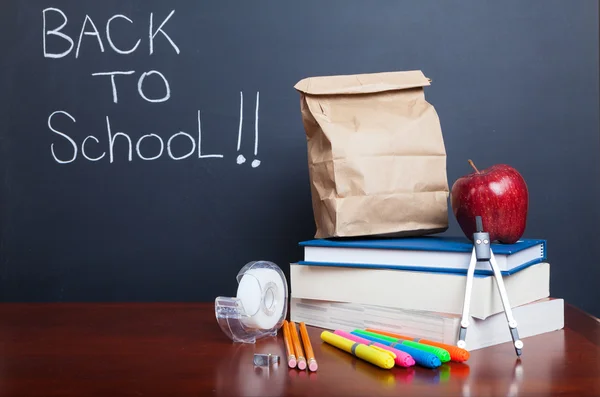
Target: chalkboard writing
{"points": [[57, 31], [88, 28]]}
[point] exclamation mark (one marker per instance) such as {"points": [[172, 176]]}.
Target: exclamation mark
{"points": [[240, 158], [256, 162]]}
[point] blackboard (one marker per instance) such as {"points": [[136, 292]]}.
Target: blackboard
{"points": [[513, 82]]}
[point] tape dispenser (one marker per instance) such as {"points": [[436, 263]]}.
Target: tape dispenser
{"points": [[260, 305]]}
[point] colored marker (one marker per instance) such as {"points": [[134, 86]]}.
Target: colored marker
{"points": [[442, 354], [456, 353], [373, 354], [402, 359], [421, 357]]}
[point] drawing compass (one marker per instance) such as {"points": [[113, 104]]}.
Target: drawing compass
{"points": [[482, 252]]}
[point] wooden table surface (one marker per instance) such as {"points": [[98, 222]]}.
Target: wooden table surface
{"points": [[178, 350]]}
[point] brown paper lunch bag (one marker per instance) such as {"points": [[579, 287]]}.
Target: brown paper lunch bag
{"points": [[376, 155]]}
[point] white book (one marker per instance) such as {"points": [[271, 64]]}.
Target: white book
{"points": [[417, 290], [534, 318]]}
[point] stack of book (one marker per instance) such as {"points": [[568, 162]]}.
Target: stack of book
{"points": [[416, 286]]}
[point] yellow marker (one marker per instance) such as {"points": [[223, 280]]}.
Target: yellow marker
{"points": [[380, 357]]}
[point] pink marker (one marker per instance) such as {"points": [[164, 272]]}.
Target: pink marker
{"points": [[402, 359]]}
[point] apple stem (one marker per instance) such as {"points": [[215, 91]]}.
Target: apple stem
{"points": [[473, 165]]}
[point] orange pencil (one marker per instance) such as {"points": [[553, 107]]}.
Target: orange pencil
{"points": [[310, 355], [456, 353], [289, 348], [297, 346]]}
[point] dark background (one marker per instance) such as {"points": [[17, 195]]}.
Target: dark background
{"points": [[513, 82]]}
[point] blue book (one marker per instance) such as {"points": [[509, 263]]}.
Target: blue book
{"points": [[429, 253]]}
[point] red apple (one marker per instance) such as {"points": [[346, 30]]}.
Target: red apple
{"points": [[499, 195]]}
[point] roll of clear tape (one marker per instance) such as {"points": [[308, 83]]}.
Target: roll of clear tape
{"points": [[260, 305]]}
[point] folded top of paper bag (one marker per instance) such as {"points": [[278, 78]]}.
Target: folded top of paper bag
{"points": [[362, 83]]}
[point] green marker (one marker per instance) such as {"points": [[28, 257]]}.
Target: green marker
{"points": [[442, 354]]}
